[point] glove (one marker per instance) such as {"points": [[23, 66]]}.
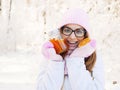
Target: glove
{"points": [[84, 51], [49, 52]]}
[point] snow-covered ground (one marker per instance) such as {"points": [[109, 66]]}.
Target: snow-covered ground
{"points": [[19, 71]]}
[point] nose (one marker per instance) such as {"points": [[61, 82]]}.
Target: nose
{"points": [[72, 36]]}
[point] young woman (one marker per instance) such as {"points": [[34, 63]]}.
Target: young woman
{"points": [[79, 68]]}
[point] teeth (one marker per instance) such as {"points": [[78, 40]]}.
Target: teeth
{"points": [[75, 42], [72, 42]]}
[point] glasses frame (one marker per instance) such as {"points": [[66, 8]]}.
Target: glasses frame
{"points": [[61, 30]]}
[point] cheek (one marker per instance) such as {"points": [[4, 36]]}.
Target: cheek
{"points": [[80, 39], [63, 36]]}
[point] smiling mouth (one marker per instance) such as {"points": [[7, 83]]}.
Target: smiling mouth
{"points": [[72, 44]]}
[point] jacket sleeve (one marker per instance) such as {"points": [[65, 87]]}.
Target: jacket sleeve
{"points": [[51, 76], [80, 78]]}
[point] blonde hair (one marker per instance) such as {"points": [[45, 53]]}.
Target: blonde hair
{"points": [[90, 62]]}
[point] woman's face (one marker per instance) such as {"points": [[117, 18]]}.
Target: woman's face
{"points": [[72, 34]]}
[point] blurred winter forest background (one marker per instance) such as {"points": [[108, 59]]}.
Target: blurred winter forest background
{"points": [[24, 25]]}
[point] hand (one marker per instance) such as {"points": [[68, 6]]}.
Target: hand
{"points": [[49, 52], [85, 50]]}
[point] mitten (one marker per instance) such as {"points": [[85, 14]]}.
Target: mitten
{"points": [[84, 51], [49, 52]]}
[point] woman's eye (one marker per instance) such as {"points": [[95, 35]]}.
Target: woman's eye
{"points": [[67, 30], [79, 31]]}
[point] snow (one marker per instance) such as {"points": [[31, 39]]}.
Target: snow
{"points": [[19, 71], [29, 24]]}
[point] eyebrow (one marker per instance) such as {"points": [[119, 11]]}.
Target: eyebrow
{"points": [[73, 29]]}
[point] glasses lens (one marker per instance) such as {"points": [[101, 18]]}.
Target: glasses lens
{"points": [[66, 31], [79, 32]]}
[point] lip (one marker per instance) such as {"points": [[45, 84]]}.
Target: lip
{"points": [[72, 44]]}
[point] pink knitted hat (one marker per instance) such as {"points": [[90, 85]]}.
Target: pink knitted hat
{"points": [[75, 16]]}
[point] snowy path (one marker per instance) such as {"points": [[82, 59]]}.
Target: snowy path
{"points": [[18, 71]]}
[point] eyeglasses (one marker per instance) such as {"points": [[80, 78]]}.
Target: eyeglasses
{"points": [[79, 32]]}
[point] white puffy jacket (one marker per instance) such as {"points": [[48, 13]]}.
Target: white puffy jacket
{"points": [[52, 77]]}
